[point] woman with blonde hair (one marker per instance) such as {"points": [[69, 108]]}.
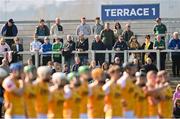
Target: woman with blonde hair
{"points": [[92, 64], [134, 45]]}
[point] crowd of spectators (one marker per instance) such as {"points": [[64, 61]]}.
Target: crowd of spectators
{"points": [[105, 38]]}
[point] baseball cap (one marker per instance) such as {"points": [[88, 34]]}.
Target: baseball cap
{"points": [[11, 21]]}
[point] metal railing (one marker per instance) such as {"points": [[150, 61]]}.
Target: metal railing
{"points": [[140, 38], [92, 54]]}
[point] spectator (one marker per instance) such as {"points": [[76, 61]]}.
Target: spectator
{"points": [[29, 62], [46, 47], [9, 30], [17, 47], [42, 30], [127, 34], [69, 46], [57, 29], [92, 65], [134, 45], [120, 45], [57, 47], [176, 94], [159, 44], [105, 67], [174, 44], [176, 102], [35, 46], [66, 69], [77, 64], [83, 28], [117, 61], [108, 38], [148, 45], [4, 47], [176, 110], [57, 67], [82, 45], [160, 28], [97, 44], [137, 63], [97, 28], [5, 65], [149, 66], [117, 30], [50, 65]]}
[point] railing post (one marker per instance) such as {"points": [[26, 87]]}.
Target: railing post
{"points": [[49, 24], [112, 56], [125, 56], [36, 58], [93, 54], [158, 59], [63, 59]]}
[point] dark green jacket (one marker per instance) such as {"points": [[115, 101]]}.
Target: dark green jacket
{"points": [[107, 37]]}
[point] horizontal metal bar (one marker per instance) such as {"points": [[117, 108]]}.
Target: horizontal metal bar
{"points": [[97, 51], [112, 51], [73, 35]]}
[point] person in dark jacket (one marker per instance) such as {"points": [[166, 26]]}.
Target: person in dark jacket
{"points": [[46, 47], [174, 44], [82, 45], [159, 44], [69, 46], [127, 34], [120, 45], [77, 64], [42, 30], [118, 62], [149, 66], [97, 44], [108, 38], [17, 47], [148, 45], [176, 110], [9, 30]]}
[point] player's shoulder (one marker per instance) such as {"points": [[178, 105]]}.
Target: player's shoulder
{"points": [[8, 84], [52, 89]]}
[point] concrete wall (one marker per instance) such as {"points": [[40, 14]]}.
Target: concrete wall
{"points": [[73, 9]]}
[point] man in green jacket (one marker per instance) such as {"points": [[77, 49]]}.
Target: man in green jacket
{"points": [[57, 47], [108, 38]]}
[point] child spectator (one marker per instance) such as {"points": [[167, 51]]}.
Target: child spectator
{"points": [[176, 93]]}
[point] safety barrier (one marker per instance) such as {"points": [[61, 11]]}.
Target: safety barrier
{"points": [[92, 54]]}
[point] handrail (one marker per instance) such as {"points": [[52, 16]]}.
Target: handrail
{"points": [[73, 35], [92, 52]]}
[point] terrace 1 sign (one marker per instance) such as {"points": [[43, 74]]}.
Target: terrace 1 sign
{"points": [[129, 12]]}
